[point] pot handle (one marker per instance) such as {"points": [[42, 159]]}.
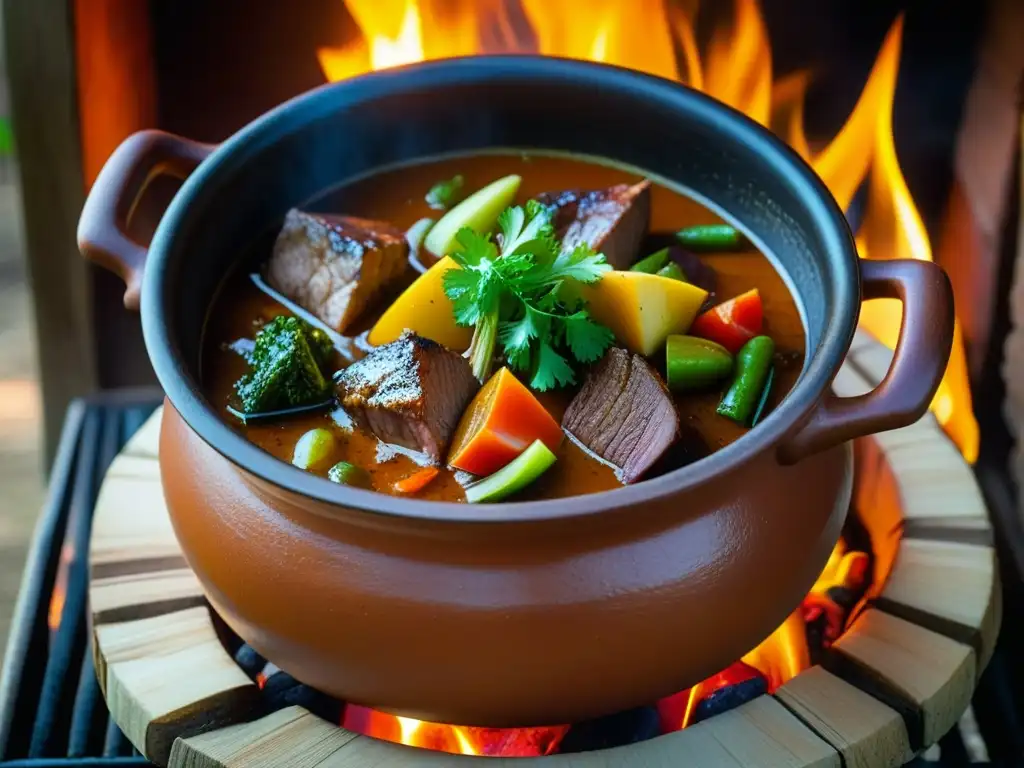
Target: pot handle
{"points": [[102, 229], [918, 364]]}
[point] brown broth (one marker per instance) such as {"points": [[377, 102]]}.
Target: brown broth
{"points": [[398, 196]]}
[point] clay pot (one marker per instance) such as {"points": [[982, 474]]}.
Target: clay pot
{"points": [[532, 612]]}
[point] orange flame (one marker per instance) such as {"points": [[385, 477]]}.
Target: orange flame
{"points": [[456, 739], [59, 596], [657, 37], [892, 227]]}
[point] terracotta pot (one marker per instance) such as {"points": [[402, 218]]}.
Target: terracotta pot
{"points": [[527, 613]]}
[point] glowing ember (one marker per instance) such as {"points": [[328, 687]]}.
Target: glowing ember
{"points": [[735, 67], [60, 587], [458, 739]]}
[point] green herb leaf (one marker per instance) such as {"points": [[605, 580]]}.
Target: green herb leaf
{"points": [[511, 222], [515, 337], [552, 369], [587, 339], [462, 286], [528, 231], [581, 264], [445, 194], [514, 266], [529, 290], [476, 249]]}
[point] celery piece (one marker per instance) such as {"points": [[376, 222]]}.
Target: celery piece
{"points": [[514, 476], [479, 212]]}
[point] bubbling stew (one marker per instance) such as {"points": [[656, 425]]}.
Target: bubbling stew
{"points": [[500, 326]]}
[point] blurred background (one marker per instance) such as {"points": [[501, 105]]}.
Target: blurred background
{"points": [[21, 477]]}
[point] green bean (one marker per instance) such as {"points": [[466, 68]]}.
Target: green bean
{"points": [[764, 398], [349, 474], [712, 237], [313, 450], [695, 364], [753, 362]]}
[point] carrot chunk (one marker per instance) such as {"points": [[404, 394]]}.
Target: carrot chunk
{"points": [[503, 419], [417, 481]]}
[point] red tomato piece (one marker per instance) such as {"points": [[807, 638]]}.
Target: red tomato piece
{"points": [[732, 323]]}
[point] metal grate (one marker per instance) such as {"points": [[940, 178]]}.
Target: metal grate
{"points": [[51, 710], [52, 713]]}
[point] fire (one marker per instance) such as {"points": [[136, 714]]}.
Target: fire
{"points": [[657, 36], [457, 739], [59, 595], [735, 66]]}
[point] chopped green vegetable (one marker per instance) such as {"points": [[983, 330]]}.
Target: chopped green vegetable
{"points": [[673, 271], [349, 474], [479, 212], [445, 194], [764, 398], [753, 363], [712, 237], [286, 367], [514, 476], [314, 449], [651, 264], [695, 364], [525, 297]]}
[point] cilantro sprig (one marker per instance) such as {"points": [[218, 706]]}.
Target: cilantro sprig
{"points": [[522, 293]]}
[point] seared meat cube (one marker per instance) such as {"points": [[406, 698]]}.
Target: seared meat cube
{"points": [[334, 266], [411, 392], [612, 221], [624, 414]]}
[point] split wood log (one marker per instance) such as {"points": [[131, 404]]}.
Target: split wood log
{"points": [[866, 732], [169, 675], [927, 677]]}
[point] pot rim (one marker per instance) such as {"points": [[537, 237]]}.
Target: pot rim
{"points": [[187, 398]]}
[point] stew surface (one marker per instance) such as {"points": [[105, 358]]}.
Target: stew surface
{"points": [[398, 197]]}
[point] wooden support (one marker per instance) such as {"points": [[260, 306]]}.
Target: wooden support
{"points": [[159, 661], [137, 567], [866, 732], [948, 587], [897, 680], [289, 737], [926, 676], [169, 676]]}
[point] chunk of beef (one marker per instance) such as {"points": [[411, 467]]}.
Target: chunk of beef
{"points": [[612, 221], [410, 392], [334, 266], [624, 414]]}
